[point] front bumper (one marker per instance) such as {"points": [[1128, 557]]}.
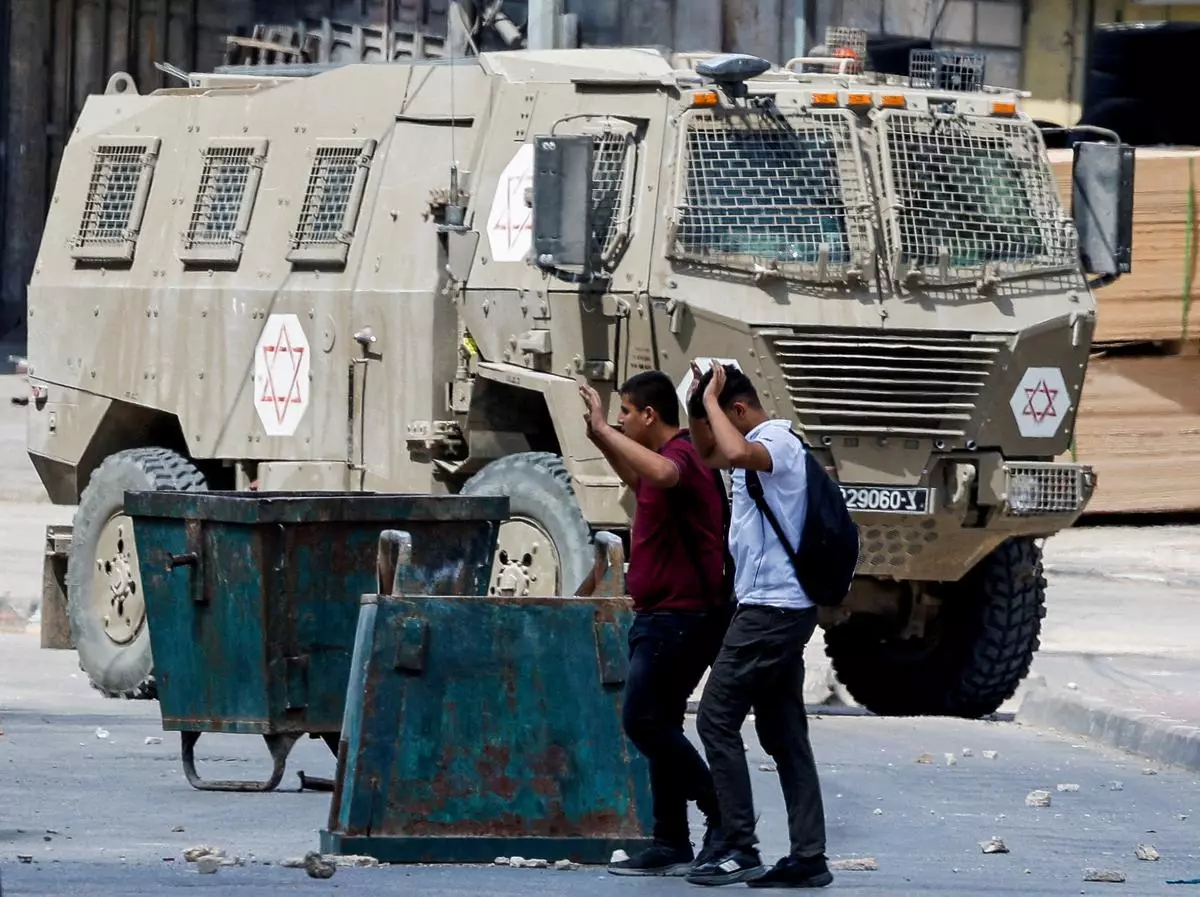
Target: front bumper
{"points": [[1010, 499]]}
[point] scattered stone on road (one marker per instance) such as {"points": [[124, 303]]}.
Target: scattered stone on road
{"points": [[925, 758], [177, 828], [500, 861], [993, 845], [1146, 852], [1068, 787], [565, 865], [153, 739], [353, 861], [516, 862], [967, 752], [1149, 772], [767, 767], [317, 866], [293, 863], [207, 864], [951, 760], [990, 755], [1037, 799], [536, 864], [1116, 786], [1107, 875], [857, 864], [618, 856], [878, 811], [192, 854]]}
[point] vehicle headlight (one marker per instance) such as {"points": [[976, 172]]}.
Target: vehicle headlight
{"points": [[1024, 492]]}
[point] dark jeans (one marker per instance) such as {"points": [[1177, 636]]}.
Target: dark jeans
{"points": [[761, 665], [668, 653]]}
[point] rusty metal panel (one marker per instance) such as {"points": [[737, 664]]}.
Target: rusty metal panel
{"points": [[508, 743], [252, 598]]}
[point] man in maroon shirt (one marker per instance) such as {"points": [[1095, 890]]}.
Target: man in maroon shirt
{"points": [[677, 580]]}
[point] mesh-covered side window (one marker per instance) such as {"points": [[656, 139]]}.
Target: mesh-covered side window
{"points": [[220, 214], [765, 188], [116, 200], [965, 194], [332, 197], [610, 179]]}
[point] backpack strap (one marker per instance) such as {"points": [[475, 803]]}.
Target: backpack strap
{"points": [[755, 489]]}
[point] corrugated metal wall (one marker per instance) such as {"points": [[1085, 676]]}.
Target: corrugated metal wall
{"points": [[59, 51]]}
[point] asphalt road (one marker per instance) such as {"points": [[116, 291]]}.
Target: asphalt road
{"points": [[97, 813]]}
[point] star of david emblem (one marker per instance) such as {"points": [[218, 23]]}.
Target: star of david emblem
{"points": [[288, 357], [1039, 402]]}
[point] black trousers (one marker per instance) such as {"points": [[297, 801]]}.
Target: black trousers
{"points": [[761, 665], [668, 653]]}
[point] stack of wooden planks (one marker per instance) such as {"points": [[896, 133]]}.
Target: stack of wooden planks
{"points": [[1139, 420]]}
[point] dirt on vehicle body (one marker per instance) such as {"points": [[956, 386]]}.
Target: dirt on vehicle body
{"points": [[391, 277]]}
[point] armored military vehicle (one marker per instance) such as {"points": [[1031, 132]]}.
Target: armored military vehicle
{"points": [[394, 277]]}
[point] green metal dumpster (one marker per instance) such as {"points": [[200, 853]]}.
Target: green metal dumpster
{"points": [[252, 602], [508, 743]]}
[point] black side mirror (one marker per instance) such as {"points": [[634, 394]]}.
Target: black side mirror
{"points": [[563, 211], [1102, 206]]}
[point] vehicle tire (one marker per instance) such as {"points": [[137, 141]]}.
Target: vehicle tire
{"points": [[974, 654], [544, 514], [104, 602]]}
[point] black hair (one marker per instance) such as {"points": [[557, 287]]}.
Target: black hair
{"points": [[653, 389], [737, 388]]}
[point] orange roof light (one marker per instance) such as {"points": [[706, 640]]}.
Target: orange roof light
{"points": [[893, 101], [824, 99], [705, 98], [1007, 108], [859, 99]]}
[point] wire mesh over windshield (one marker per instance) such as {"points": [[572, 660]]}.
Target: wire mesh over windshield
{"points": [[968, 193], [762, 188]]}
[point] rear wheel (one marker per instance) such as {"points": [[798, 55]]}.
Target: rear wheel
{"points": [[104, 585], [545, 546], [974, 653]]}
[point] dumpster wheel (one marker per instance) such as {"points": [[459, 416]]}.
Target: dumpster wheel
{"points": [[544, 548], [104, 585], [979, 647]]}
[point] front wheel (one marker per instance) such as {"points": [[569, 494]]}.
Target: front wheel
{"points": [[544, 549], [974, 654], [104, 584]]}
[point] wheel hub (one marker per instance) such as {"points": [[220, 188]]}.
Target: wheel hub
{"points": [[117, 585], [526, 563]]}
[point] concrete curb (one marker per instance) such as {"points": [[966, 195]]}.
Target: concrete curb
{"points": [[1150, 735]]}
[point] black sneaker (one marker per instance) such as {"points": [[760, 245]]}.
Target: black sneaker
{"points": [[791, 872], [727, 868], [714, 839], [657, 859]]}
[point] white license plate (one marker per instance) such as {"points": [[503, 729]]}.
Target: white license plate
{"points": [[887, 499]]}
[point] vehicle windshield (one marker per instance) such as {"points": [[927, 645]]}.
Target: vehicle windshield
{"points": [[762, 188], [966, 193]]}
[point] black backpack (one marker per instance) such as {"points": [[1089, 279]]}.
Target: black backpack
{"points": [[828, 552]]}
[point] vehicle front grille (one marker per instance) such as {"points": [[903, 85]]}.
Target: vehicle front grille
{"points": [[906, 384]]}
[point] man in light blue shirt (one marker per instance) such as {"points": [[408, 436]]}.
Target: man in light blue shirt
{"points": [[761, 662]]}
